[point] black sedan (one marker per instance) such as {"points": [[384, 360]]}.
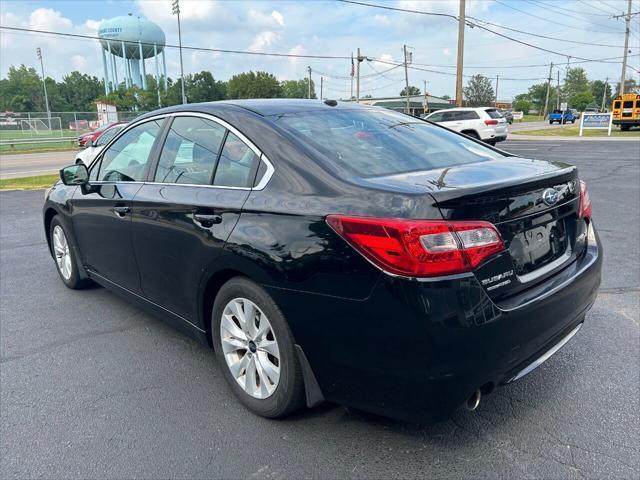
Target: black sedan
{"points": [[331, 251]]}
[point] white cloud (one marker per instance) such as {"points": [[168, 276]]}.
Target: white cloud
{"points": [[48, 19], [446, 52], [263, 40], [79, 63], [278, 17]]}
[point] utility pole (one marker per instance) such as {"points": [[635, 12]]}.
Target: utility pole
{"points": [[426, 99], [406, 80], [175, 8], [558, 92], [626, 47], [309, 81], [461, 23], [321, 85], [359, 59], [44, 84], [497, 80], [546, 100], [352, 74], [604, 93]]}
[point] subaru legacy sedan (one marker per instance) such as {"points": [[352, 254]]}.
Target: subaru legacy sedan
{"points": [[332, 251]]}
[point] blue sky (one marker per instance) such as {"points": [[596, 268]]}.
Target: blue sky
{"points": [[329, 27]]}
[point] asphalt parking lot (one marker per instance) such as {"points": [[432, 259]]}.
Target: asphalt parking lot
{"points": [[91, 387]]}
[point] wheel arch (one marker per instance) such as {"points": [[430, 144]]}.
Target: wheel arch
{"points": [[471, 132], [48, 218]]}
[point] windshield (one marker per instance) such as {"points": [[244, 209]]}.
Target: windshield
{"points": [[378, 142]]}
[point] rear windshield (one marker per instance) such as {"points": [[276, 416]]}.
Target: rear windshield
{"points": [[379, 143], [493, 113]]}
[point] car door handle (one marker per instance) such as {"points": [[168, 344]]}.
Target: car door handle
{"points": [[206, 220], [121, 211]]}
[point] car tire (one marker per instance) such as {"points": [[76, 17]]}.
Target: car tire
{"points": [[550, 122], [266, 391], [65, 257]]}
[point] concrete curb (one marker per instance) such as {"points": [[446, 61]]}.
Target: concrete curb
{"points": [[517, 136]]}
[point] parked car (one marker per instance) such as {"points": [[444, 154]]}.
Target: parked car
{"points": [[562, 117], [485, 123], [92, 149], [576, 113], [332, 251], [507, 114], [93, 135]]}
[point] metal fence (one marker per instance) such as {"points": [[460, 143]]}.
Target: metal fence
{"points": [[43, 125]]}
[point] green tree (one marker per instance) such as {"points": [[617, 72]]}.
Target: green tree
{"points": [[576, 82], [522, 105], [598, 89], [580, 100], [297, 88], [22, 90], [446, 97], [254, 85], [479, 91], [78, 91], [412, 91], [202, 87], [536, 96]]}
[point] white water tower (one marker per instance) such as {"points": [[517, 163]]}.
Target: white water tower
{"points": [[132, 39]]}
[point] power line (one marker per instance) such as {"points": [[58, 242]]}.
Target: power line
{"points": [[200, 49], [582, 29], [470, 23], [548, 5], [597, 8]]}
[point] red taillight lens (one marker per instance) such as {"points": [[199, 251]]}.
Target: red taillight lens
{"points": [[585, 201], [491, 122], [419, 248]]}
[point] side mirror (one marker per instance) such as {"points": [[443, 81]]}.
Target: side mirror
{"points": [[88, 143], [75, 174]]}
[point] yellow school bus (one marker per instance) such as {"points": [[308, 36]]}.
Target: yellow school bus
{"points": [[626, 110]]}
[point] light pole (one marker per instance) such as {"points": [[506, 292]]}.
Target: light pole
{"points": [[175, 8], [44, 84]]}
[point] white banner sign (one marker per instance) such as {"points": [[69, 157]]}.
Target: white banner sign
{"points": [[517, 115], [596, 121]]}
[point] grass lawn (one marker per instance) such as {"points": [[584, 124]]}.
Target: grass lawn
{"points": [[20, 135], [34, 147], [574, 131], [28, 183], [529, 118]]}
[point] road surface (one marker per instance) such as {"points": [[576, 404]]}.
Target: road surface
{"points": [[33, 164], [92, 387]]}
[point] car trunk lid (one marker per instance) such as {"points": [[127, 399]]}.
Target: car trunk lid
{"points": [[534, 205]]}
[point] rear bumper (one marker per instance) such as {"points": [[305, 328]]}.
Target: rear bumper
{"points": [[624, 121], [416, 350]]}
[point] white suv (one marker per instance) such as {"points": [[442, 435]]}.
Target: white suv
{"points": [[484, 123]]}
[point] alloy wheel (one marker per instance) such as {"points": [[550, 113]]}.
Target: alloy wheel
{"points": [[61, 252], [250, 348]]}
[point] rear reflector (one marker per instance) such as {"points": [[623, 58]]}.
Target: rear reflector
{"points": [[419, 248], [491, 122], [585, 201]]}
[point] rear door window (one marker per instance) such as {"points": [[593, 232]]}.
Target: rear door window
{"points": [[190, 151], [238, 164], [469, 115]]}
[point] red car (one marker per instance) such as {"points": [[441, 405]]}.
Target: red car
{"points": [[93, 136]]}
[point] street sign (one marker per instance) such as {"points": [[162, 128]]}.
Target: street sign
{"points": [[517, 115], [563, 106], [596, 121]]}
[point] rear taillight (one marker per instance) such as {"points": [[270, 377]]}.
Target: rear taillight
{"points": [[491, 122], [419, 248], [585, 201]]}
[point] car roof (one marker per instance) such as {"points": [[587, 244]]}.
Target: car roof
{"points": [[267, 106]]}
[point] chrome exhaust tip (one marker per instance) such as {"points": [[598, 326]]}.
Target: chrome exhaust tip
{"points": [[473, 401]]}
